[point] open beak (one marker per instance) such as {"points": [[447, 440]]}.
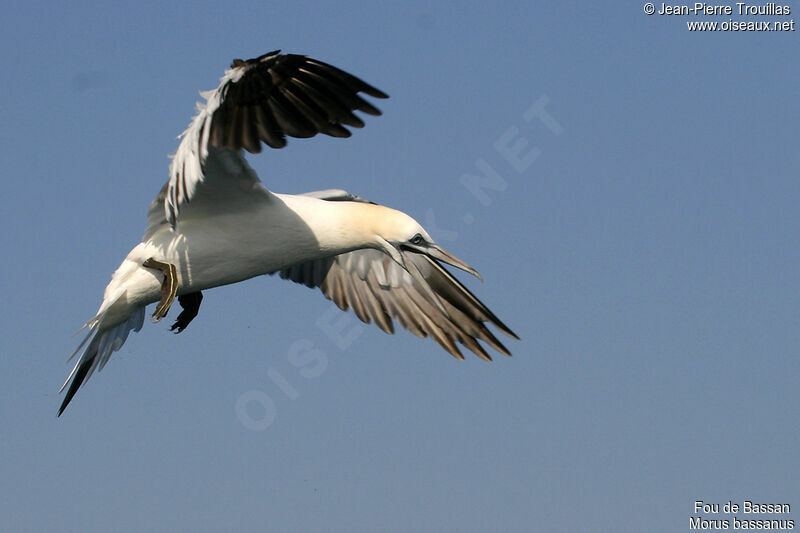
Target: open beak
{"points": [[436, 252]]}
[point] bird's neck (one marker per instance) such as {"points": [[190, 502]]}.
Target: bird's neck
{"points": [[340, 226]]}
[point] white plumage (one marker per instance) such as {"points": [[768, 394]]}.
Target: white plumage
{"points": [[214, 223]]}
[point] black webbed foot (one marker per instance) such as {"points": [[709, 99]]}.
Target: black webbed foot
{"points": [[191, 306]]}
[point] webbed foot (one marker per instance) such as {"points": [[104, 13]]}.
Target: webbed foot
{"points": [[191, 305], [169, 287]]}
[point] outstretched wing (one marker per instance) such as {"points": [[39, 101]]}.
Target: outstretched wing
{"points": [[379, 290], [263, 100]]}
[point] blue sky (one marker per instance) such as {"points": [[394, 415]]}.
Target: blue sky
{"points": [[644, 247]]}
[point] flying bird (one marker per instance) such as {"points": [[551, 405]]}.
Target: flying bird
{"points": [[213, 223]]}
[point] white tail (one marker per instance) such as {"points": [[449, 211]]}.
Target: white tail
{"points": [[104, 341]]}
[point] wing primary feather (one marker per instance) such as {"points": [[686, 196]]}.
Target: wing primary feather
{"points": [[268, 129], [399, 308], [316, 115], [336, 110], [332, 288], [234, 136], [351, 100], [351, 289], [289, 118], [430, 327], [421, 283], [467, 301], [250, 135], [356, 84], [372, 307]]}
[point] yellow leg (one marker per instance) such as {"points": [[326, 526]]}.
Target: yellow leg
{"points": [[169, 288]]}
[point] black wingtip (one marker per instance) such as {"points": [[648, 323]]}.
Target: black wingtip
{"points": [[505, 329], [77, 381], [377, 93]]}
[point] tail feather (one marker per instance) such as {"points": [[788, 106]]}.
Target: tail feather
{"points": [[78, 349], [80, 376], [104, 342]]}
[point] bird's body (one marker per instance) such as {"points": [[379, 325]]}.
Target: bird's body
{"points": [[211, 251], [214, 223]]}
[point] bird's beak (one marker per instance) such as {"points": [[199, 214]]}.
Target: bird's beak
{"points": [[436, 252]]}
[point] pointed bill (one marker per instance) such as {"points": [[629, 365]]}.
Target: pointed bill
{"points": [[437, 252]]}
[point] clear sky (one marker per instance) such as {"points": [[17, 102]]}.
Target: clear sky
{"points": [[639, 232]]}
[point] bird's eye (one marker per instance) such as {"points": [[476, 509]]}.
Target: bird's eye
{"points": [[416, 239]]}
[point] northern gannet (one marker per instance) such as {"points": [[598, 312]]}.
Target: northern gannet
{"points": [[214, 223]]}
